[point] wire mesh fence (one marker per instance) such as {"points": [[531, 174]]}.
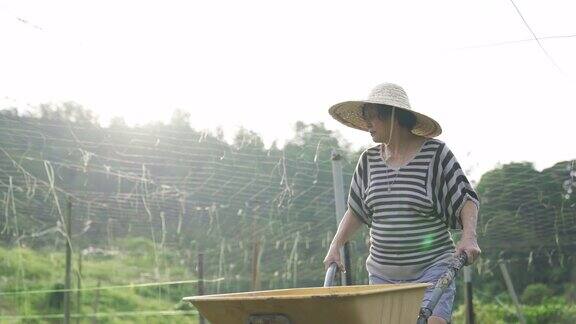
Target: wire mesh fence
{"points": [[146, 200]]}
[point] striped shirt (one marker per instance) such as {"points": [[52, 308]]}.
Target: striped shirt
{"points": [[409, 209]]}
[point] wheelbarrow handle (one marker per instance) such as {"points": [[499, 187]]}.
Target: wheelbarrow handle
{"points": [[457, 263], [330, 275]]}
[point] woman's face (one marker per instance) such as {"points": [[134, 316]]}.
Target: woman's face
{"points": [[378, 127]]}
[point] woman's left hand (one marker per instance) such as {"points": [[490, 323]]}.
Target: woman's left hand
{"points": [[469, 245]]}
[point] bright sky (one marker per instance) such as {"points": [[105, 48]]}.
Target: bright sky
{"points": [[266, 64]]}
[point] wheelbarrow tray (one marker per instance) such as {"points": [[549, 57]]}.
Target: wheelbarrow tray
{"points": [[394, 304]]}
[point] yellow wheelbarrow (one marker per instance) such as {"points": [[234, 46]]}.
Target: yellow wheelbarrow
{"points": [[369, 304]]}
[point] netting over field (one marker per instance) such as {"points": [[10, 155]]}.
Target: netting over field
{"points": [[145, 200]]}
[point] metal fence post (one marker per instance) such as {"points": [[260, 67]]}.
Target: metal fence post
{"points": [[200, 266], [340, 202], [68, 277], [512, 292], [468, 295]]}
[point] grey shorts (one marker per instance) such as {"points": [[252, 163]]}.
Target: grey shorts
{"points": [[431, 275]]}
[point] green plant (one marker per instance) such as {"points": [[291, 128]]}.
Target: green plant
{"points": [[553, 310], [570, 293], [534, 294]]}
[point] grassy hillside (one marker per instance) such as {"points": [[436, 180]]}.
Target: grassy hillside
{"points": [[30, 284], [129, 294]]}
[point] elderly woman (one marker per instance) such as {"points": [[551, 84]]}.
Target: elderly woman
{"points": [[410, 190]]}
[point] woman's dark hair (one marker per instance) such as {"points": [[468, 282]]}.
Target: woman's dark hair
{"points": [[405, 118]]}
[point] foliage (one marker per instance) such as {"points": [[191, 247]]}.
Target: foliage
{"points": [[552, 311], [527, 218], [570, 293], [534, 294], [50, 278]]}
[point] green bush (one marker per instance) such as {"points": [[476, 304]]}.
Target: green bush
{"points": [[24, 264], [570, 293], [553, 311], [138, 246], [484, 313], [534, 294], [56, 298]]}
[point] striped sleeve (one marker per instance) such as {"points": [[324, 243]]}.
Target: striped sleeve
{"points": [[451, 189], [357, 195]]}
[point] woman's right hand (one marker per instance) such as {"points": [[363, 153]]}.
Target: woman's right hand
{"points": [[333, 256], [349, 224]]}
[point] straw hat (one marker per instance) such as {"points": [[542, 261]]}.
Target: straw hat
{"points": [[349, 113]]}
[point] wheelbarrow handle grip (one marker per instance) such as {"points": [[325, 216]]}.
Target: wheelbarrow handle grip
{"points": [[330, 275], [445, 280], [461, 260]]}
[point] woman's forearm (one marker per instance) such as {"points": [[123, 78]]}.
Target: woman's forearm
{"points": [[349, 224], [469, 217], [468, 242]]}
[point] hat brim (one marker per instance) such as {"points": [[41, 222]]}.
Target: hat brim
{"points": [[349, 113]]}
